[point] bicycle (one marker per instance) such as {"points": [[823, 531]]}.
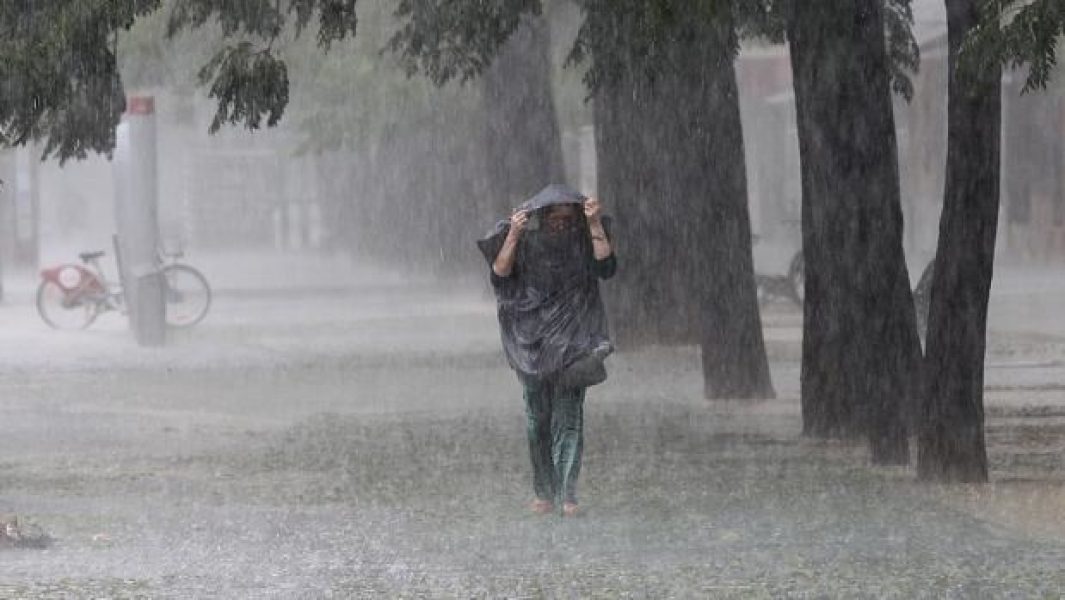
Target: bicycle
{"points": [[72, 296], [792, 285]]}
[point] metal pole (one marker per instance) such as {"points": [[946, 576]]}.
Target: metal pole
{"points": [[137, 221]]}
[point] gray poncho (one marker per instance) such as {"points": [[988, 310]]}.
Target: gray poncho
{"points": [[550, 310]]}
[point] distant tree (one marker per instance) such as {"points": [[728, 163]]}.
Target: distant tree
{"points": [[397, 154], [860, 347], [505, 47], [523, 144]]}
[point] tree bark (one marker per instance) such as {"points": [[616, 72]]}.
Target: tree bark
{"points": [[523, 145], [643, 302], [951, 443], [714, 189], [671, 154], [860, 345]]}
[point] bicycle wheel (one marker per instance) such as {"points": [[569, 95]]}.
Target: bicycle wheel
{"points": [[60, 310], [187, 295]]}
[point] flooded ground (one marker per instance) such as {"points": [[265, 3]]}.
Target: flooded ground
{"points": [[347, 434]]}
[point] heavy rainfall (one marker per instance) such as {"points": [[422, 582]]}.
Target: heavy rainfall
{"points": [[314, 299]]}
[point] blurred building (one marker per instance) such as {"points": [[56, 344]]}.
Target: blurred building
{"points": [[245, 190]]}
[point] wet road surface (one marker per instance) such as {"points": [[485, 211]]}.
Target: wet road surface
{"points": [[370, 442]]}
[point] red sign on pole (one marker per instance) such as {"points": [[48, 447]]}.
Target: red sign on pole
{"points": [[140, 105]]}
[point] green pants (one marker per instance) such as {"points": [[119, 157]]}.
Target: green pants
{"points": [[555, 424]]}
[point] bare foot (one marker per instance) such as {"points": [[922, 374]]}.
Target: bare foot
{"points": [[542, 507], [569, 509]]}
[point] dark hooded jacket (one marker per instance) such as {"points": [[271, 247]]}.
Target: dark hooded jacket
{"points": [[550, 310]]}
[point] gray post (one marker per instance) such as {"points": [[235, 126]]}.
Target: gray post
{"points": [[137, 221]]}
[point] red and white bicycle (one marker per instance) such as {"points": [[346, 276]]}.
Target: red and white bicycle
{"points": [[72, 296]]}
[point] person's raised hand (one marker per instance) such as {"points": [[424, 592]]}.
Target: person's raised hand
{"points": [[518, 221], [593, 210]]}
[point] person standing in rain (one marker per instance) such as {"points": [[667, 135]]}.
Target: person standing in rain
{"points": [[546, 263]]}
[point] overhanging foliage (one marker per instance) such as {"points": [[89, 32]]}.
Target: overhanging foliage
{"points": [[1017, 33], [58, 74]]}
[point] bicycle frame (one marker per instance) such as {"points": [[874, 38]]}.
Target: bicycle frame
{"points": [[64, 287]]}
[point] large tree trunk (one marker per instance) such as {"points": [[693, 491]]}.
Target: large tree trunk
{"points": [[671, 159], [523, 146], [860, 345], [628, 133], [642, 151], [644, 303], [951, 441], [713, 189]]}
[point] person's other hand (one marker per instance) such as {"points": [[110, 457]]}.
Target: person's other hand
{"points": [[593, 210], [518, 221]]}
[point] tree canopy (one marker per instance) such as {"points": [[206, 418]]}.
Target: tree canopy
{"points": [[59, 77], [245, 76], [1016, 33], [458, 39]]}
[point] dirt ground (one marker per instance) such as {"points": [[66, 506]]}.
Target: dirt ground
{"points": [[367, 441]]}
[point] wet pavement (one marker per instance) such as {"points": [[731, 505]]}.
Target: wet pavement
{"points": [[364, 439]]}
